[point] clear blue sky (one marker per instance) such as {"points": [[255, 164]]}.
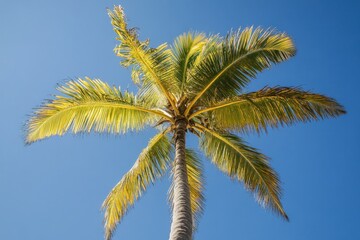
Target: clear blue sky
{"points": [[53, 189]]}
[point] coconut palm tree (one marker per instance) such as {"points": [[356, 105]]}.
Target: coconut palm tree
{"points": [[194, 86]]}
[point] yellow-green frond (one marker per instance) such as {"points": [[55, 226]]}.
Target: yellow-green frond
{"points": [[235, 158], [89, 105], [151, 165], [196, 185], [151, 95], [212, 46], [270, 107], [152, 65], [240, 57], [186, 48], [128, 37]]}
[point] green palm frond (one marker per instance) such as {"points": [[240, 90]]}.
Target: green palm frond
{"points": [[240, 57], [232, 156], [270, 107], [90, 105], [149, 64], [151, 95], [151, 165], [196, 185], [187, 47], [211, 46]]}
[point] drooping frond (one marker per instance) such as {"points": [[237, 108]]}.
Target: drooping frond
{"points": [[150, 65], [151, 165], [186, 49], [270, 107], [89, 105], [240, 57], [235, 158], [196, 185]]}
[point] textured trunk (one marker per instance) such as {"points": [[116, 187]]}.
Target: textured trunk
{"points": [[181, 226]]}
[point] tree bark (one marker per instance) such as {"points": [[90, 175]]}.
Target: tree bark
{"points": [[182, 225]]}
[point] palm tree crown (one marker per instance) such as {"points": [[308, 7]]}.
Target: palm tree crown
{"points": [[195, 85]]}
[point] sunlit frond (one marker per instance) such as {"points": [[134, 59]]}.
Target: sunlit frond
{"points": [[152, 65], [270, 107], [151, 165], [240, 57], [89, 105], [151, 95], [235, 158], [212, 46], [186, 49], [196, 185]]}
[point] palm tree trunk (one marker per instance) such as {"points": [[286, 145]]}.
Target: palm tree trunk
{"points": [[181, 226]]}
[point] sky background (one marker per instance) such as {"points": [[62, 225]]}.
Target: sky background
{"points": [[53, 189]]}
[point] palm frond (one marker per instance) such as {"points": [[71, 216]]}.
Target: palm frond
{"points": [[151, 65], [89, 105], [270, 107], [186, 49], [235, 158], [211, 46], [151, 165], [151, 95], [241, 56], [196, 185]]}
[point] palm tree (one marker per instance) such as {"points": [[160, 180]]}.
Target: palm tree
{"points": [[197, 86]]}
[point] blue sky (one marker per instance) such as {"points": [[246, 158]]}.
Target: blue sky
{"points": [[53, 189]]}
